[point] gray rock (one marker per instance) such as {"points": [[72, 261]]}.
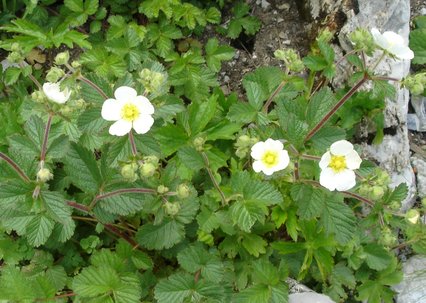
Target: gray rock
{"points": [[309, 297], [412, 289], [420, 166]]}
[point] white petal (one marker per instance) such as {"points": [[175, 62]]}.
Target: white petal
{"points": [[341, 148], [125, 93], [143, 124], [325, 160], [269, 171], [327, 179], [274, 144], [258, 166], [353, 160], [283, 161], [345, 180], [111, 110], [120, 128], [402, 52], [53, 92], [393, 38], [379, 39], [258, 150], [143, 105]]}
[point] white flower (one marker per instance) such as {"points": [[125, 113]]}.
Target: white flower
{"points": [[392, 43], [128, 110], [337, 166], [53, 92], [270, 156]]}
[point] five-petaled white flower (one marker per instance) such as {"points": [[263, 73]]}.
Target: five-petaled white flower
{"points": [[128, 110], [337, 166], [392, 43], [54, 93], [270, 156]]}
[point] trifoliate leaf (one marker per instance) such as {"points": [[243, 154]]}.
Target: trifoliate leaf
{"points": [[377, 257], [245, 214], [254, 244], [215, 54]]}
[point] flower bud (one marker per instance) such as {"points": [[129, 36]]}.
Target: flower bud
{"points": [[54, 74], [151, 159], [388, 238], [377, 192], [147, 169], [171, 208], [161, 189], [75, 64], [15, 47], [62, 58], [128, 172], [80, 104], [15, 57], [291, 59], [44, 175], [38, 96], [417, 89], [241, 152], [412, 216], [199, 143], [395, 205], [243, 141], [66, 110], [363, 40], [183, 191]]}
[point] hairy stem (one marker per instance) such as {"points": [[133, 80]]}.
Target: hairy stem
{"points": [[93, 85], [15, 167], [35, 81], [82, 207], [336, 107], [46, 137], [273, 95], [212, 178], [132, 143]]}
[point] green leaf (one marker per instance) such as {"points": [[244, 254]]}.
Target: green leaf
{"points": [[245, 214], [200, 114], [123, 204], [56, 206], [224, 130], [314, 62], [191, 158], [11, 75], [320, 104], [74, 5], [38, 230], [171, 138], [91, 121], [338, 219], [196, 258], [309, 200], [261, 293], [81, 166], [254, 244], [418, 45], [242, 112], [215, 54], [326, 136], [377, 257], [161, 236]]}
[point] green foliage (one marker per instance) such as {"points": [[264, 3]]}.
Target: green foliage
{"points": [[178, 212], [417, 41]]}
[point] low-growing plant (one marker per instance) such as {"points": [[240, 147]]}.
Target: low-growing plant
{"points": [[127, 175]]}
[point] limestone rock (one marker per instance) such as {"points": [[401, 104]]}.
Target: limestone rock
{"points": [[412, 289], [309, 297]]}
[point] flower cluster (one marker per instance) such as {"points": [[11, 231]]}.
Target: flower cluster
{"points": [[337, 165]]}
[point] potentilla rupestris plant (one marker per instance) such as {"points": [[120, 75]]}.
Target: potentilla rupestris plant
{"points": [[219, 200]]}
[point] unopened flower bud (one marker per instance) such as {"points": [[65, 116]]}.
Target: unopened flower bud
{"points": [[80, 104], [171, 208], [128, 172], [54, 74], [161, 189], [395, 205], [412, 216], [183, 191], [388, 238], [15, 47], [15, 57], [417, 89], [62, 58], [241, 152], [44, 175], [243, 141], [151, 159], [363, 40], [377, 192], [291, 59], [38, 96], [147, 169], [75, 64], [199, 143], [66, 110]]}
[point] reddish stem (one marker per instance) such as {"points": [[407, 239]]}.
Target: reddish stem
{"points": [[132, 143], [15, 167], [336, 107], [46, 137], [79, 206]]}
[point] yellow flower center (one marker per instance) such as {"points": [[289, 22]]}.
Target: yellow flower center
{"points": [[129, 112], [337, 163], [270, 159]]}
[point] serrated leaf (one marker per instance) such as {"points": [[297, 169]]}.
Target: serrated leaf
{"points": [[377, 257], [200, 114], [38, 230], [319, 105], [56, 206], [171, 138], [81, 166], [215, 54], [309, 200], [161, 236], [254, 244], [245, 214], [326, 136], [242, 112], [418, 45], [91, 121], [123, 204], [195, 258]]}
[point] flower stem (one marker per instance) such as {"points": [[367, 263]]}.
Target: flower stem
{"points": [[310, 157], [46, 137], [386, 78], [15, 167], [212, 178], [379, 60], [35, 81], [273, 95], [82, 207], [336, 107], [358, 197], [132, 143], [93, 85]]}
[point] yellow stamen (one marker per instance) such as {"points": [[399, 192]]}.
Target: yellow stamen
{"points": [[129, 112], [337, 163], [270, 159]]}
